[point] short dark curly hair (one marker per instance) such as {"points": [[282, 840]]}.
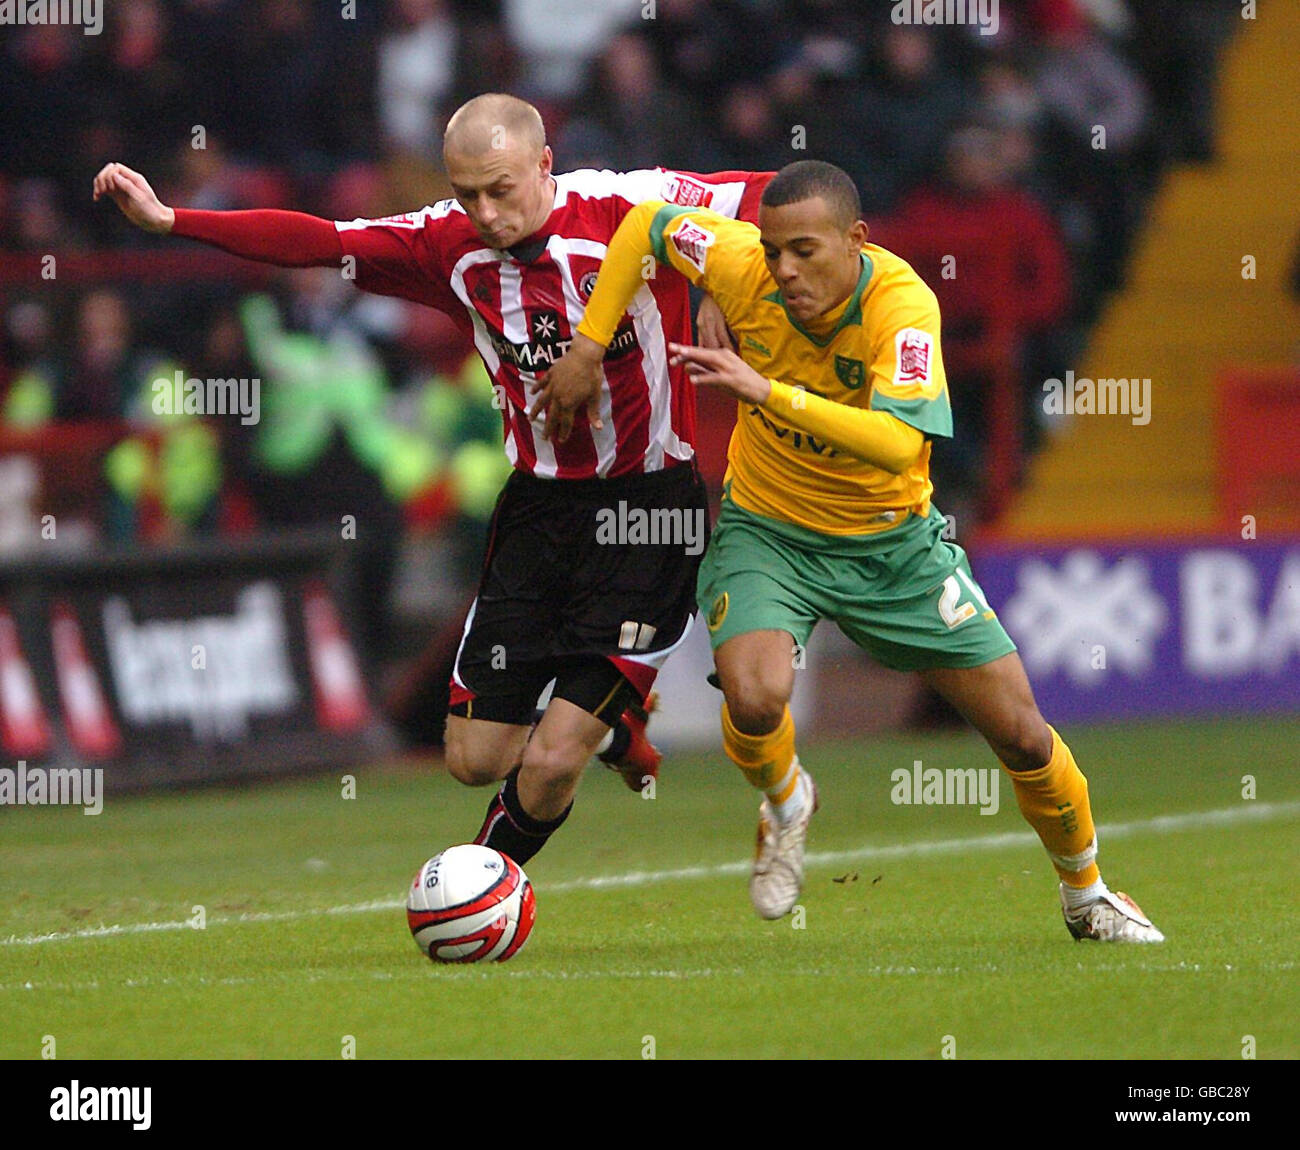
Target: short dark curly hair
{"points": [[805, 179]]}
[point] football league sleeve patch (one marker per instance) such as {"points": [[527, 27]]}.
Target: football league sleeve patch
{"points": [[908, 379]]}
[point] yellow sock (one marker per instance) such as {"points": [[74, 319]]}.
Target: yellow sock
{"points": [[767, 761], [1054, 801]]}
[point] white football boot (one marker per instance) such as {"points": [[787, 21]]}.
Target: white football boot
{"points": [[1114, 917], [777, 875]]}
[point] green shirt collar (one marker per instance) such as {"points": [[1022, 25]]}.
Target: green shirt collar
{"points": [[852, 313]]}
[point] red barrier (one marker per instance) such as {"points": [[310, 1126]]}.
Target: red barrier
{"points": [[186, 263], [53, 479], [942, 261], [1258, 447]]}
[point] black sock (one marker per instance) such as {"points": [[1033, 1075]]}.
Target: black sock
{"points": [[618, 745], [510, 829]]}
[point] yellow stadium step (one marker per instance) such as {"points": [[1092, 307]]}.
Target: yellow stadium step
{"points": [[1187, 312]]}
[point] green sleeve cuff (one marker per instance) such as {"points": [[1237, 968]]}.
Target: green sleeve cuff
{"points": [[931, 417]]}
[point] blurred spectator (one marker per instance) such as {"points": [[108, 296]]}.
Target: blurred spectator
{"points": [[1008, 103], [354, 192], [417, 62], [488, 61], [327, 306], [1177, 43], [1097, 116], [748, 135], [163, 478], [627, 118], [1007, 96], [30, 364], [38, 86], [208, 178], [38, 223], [996, 261], [903, 116], [342, 116], [279, 86], [136, 88], [325, 452], [105, 374], [557, 38]]}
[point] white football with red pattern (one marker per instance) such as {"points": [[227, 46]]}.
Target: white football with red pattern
{"points": [[470, 904]]}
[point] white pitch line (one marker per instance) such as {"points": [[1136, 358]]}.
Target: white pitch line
{"points": [[1161, 824], [421, 974]]}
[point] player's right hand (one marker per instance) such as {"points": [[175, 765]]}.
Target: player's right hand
{"points": [[574, 381], [132, 193]]}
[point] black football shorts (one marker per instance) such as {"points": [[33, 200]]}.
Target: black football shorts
{"points": [[590, 582]]}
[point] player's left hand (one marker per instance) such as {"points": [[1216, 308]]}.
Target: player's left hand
{"points": [[573, 381], [723, 368], [711, 328]]}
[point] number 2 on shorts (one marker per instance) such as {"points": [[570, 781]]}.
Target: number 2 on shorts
{"points": [[949, 611]]}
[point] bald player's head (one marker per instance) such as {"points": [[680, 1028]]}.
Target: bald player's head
{"points": [[493, 122], [495, 153]]}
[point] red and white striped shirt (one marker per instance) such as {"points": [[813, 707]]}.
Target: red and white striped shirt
{"points": [[524, 314]]}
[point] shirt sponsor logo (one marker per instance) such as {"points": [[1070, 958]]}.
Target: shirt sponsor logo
{"points": [[692, 243], [914, 351], [690, 193], [799, 440], [542, 352], [544, 324], [400, 218]]}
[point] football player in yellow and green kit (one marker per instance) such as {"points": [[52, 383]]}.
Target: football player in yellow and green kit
{"points": [[827, 513]]}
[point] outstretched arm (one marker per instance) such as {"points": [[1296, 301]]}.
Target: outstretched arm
{"points": [[875, 437], [630, 260], [289, 239], [574, 380]]}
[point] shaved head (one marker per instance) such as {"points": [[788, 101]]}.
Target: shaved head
{"points": [[493, 122], [499, 167]]}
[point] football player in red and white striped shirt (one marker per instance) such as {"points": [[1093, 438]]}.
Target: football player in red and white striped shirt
{"points": [[590, 574]]}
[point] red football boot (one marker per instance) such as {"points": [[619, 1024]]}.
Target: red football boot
{"points": [[641, 759]]}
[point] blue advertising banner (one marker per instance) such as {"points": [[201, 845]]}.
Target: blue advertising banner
{"points": [[1125, 630]]}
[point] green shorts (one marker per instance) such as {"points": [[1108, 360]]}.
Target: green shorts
{"points": [[905, 596]]}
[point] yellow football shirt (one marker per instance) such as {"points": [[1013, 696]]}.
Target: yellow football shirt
{"points": [[790, 458]]}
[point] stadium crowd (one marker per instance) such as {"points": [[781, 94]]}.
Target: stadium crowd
{"points": [[961, 142]]}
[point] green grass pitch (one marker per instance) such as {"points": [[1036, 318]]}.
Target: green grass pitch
{"points": [[943, 937]]}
